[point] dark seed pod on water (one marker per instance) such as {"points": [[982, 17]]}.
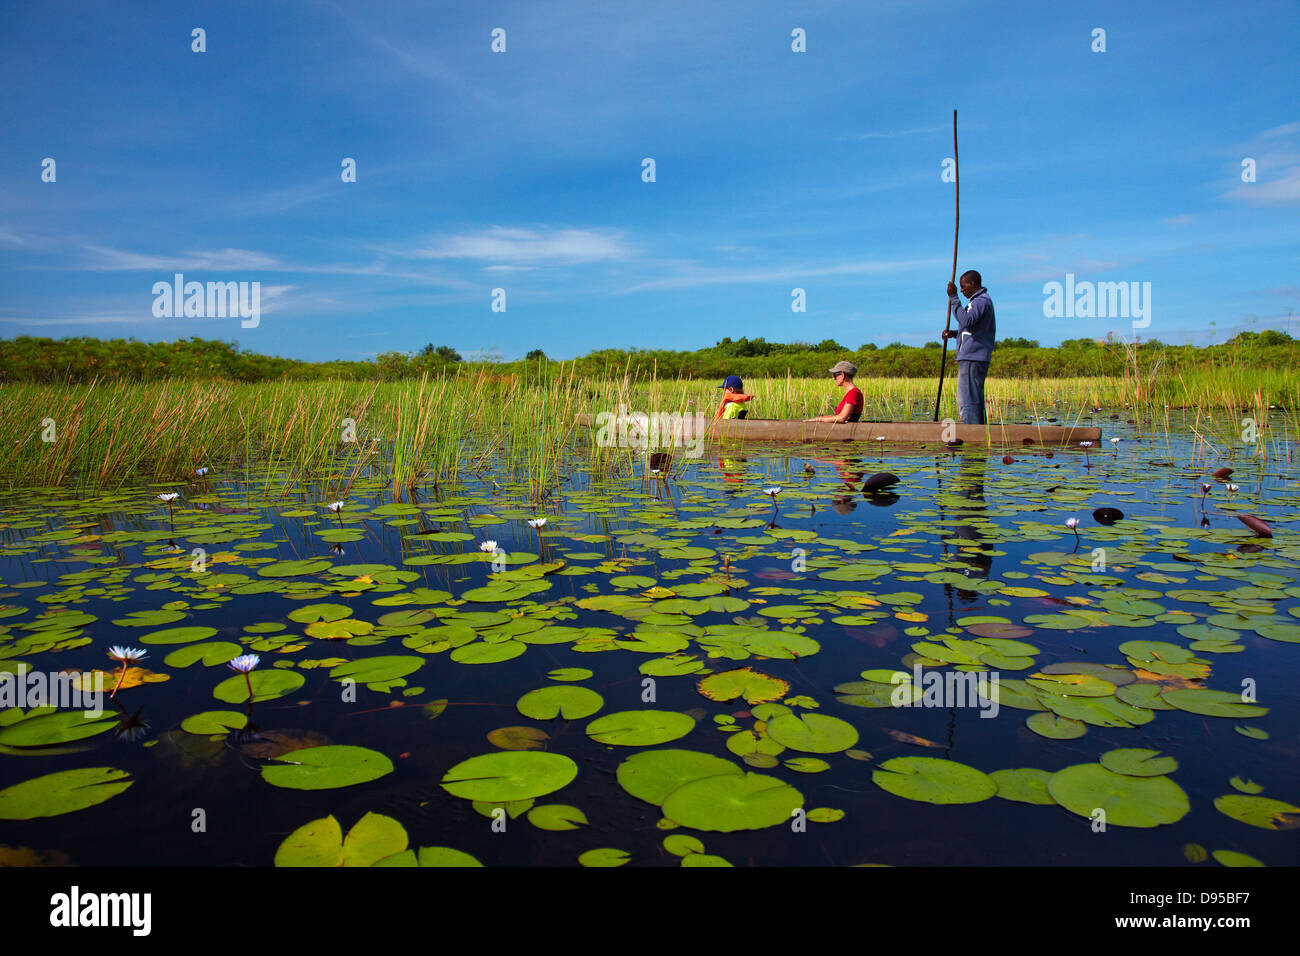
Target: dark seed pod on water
{"points": [[955, 443], [878, 482], [1107, 516], [1257, 525], [1049, 453], [1250, 548], [1223, 473], [1008, 460]]}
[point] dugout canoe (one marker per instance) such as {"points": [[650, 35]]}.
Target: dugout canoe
{"points": [[919, 433]]}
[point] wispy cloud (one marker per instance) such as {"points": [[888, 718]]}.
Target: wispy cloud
{"points": [[704, 276], [113, 260], [511, 246], [1274, 192], [1180, 220]]}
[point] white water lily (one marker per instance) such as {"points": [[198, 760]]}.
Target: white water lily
{"points": [[335, 506], [536, 522], [1072, 523], [1085, 444], [1115, 441], [488, 546], [773, 491], [170, 496], [124, 654]]}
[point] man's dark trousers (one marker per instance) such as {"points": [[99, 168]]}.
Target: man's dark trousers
{"points": [[970, 391]]}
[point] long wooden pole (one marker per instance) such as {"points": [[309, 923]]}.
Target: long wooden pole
{"points": [[947, 324]]}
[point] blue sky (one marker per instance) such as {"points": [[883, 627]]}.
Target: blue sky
{"points": [[523, 170]]}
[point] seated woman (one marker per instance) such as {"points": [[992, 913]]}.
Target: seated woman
{"points": [[850, 406], [733, 397]]}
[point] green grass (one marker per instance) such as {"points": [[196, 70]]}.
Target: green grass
{"points": [[438, 428]]}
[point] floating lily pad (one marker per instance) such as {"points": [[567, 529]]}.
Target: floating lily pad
{"points": [[1262, 812], [640, 728], [934, 780], [267, 685], [61, 727], [63, 792], [1024, 785], [728, 802], [745, 682], [557, 816], [1127, 801], [604, 857], [1211, 703], [214, 722], [1137, 762], [571, 703], [653, 774], [373, 839], [179, 635], [1056, 728], [509, 775], [327, 768], [812, 733]]}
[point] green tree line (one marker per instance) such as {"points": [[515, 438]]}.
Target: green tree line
{"points": [[33, 359]]}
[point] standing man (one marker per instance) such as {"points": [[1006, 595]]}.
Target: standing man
{"points": [[975, 334]]}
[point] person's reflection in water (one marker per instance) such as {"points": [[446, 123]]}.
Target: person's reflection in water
{"points": [[733, 473], [970, 486]]}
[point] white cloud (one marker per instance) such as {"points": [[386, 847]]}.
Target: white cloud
{"points": [[1179, 220], [1274, 192], [513, 246], [117, 260]]}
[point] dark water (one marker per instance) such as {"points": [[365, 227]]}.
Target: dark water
{"points": [[966, 513]]}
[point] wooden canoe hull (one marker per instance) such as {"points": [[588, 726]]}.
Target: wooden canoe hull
{"points": [[920, 433]]}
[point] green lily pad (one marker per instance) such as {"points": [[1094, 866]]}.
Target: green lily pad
{"points": [[509, 775], [653, 774], [640, 728], [267, 685], [746, 682], [326, 768], [378, 673], [290, 569], [374, 838], [1262, 812], [812, 733], [1024, 785], [934, 780], [1056, 728], [1211, 703], [210, 654], [604, 857], [571, 703], [729, 802], [61, 727], [569, 673], [179, 635], [1233, 858], [62, 792], [1127, 801], [483, 653], [214, 722], [1137, 762], [556, 816], [312, 613]]}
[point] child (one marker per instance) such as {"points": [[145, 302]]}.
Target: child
{"points": [[733, 395]]}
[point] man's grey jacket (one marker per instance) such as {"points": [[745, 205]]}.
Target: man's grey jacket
{"points": [[976, 327]]}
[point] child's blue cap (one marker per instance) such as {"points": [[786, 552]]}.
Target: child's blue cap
{"points": [[733, 382]]}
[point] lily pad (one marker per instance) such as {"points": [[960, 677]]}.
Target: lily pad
{"points": [[653, 774], [1211, 703], [571, 703], [1127, 801], [327, 768], [934, 780], [1137, 762], [728, 802], [509, 775], [1262, 812], [1024, 785], [640, 728], [267, 685], [63, 792], [556, 816], [754, 686], [812, 733]]}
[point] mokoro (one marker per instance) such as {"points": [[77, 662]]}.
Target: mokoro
{"points": [[773, 429]]}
